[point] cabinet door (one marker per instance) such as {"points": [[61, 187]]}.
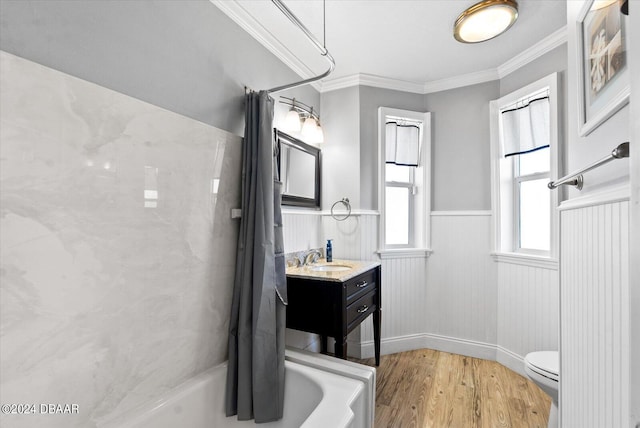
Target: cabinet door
{"points": [[315, 306]]}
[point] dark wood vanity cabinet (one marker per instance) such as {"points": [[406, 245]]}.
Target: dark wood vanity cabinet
{"points": [[333, 308]]}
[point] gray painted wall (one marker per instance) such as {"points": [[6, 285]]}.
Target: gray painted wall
{"points": [[370, 100], [553, 61], [341, 149], [184, 56], [460, 159], [190, 58], [460, 141]]}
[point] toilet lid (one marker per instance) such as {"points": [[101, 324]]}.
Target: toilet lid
{"points": [[546, 363]]}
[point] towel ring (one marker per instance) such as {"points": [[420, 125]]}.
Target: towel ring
{"points": [[347, 204]]}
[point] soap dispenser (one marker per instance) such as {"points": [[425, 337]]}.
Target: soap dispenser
{"points": [[329, 253]]}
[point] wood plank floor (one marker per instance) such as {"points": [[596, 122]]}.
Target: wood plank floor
{"points": [[432, 389]]}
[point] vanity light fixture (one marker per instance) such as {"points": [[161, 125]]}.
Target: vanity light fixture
{"points": [[485, 20], [601, 4], [311, 130], [292, 120]]}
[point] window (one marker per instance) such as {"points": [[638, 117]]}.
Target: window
{"points": [[404, 198], [532, 208], [524, 129], [398, 207]]}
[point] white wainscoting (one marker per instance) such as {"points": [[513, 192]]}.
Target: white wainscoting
{"points": [[301, 230], [355, 238], [528, 312], [594, 360], [456, 300], [447, 301], [462, 294], [404, 294]]}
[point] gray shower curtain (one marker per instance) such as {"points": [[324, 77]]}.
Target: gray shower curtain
{"points": [[255, 373]]}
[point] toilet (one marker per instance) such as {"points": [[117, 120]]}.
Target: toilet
{"points": [[542, 368]]}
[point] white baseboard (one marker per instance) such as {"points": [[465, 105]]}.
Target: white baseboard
{"points": [[510, 360], [453, 345], [470, 348]]}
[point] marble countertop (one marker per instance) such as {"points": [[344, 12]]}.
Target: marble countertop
{"points": [[356, 268]]}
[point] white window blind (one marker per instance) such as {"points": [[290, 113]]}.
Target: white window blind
{"points": [[526, 128], [402, 144]]}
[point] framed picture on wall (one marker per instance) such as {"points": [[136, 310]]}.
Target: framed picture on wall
{"points": [[603, 69]]}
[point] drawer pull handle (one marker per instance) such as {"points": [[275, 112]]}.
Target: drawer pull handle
{"points": [[363, 309], [362, 284]]}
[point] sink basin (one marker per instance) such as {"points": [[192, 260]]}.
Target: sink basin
{"points": [[329, 268]]}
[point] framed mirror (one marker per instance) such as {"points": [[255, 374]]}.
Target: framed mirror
{"points": [[299, 168]]}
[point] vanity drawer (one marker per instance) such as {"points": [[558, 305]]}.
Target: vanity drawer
{"points": [[360, 285], [361, 308]]}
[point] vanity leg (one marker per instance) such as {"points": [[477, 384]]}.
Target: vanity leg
{"points": [[323, 343], [377, 315], [341, 347]]}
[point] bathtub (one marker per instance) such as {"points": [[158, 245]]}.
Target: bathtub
{"points": [[320, 392]]}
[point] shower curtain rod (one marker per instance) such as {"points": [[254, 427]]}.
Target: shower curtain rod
{"points": [[323, 50]]}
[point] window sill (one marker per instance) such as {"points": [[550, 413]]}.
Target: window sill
{"points": [[526, 260], [404, 253]]}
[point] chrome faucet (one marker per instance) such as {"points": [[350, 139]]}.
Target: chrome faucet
{"points": [[312, 256], [294, 262]]}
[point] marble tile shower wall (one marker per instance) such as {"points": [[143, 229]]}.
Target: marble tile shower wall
{"points": [[117, 247]]}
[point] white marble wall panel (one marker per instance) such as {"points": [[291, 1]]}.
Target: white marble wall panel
{"points": [[117, 246]]}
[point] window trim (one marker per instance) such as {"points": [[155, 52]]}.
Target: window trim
{"points": [[503, 202], [419, 228]]}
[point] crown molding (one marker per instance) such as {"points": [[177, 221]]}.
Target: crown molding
{"points": [[241, 17], [460, 81], [549, 43], [244, 19], [363, 79], [545, 45]]}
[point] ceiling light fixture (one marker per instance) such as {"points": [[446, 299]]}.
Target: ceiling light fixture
{"points": [[485, 20], [311, 130]]}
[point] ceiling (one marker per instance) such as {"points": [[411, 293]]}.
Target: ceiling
{"points": [[408, 42]]}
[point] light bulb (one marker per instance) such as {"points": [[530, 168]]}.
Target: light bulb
{"points": [[601, 4], [319, 134], [292, 121], [309, 128]]}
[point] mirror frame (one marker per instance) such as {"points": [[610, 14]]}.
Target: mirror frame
{"points": [[299, 201]]}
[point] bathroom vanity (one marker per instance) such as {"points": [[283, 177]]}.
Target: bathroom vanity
{"points": [[332, 299]]}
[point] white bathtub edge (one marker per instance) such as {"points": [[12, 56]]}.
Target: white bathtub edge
{"points": [[364, 374], [360, 372], [140, 412]]}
